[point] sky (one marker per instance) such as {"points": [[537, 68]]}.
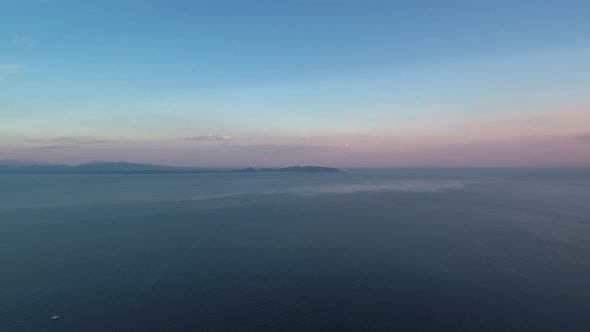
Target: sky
{"points": [[296, 82]]}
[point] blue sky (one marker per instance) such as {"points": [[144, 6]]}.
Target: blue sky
{"points": [[346, 83]]}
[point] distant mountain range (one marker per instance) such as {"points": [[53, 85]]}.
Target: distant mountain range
{"points": [[30, 167]]}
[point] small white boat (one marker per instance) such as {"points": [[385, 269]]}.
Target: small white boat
{"points": [[54, 317]]}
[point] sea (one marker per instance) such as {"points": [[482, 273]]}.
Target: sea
{"points": [[407, 249]]}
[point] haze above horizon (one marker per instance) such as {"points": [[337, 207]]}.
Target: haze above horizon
{"points": [[344, 84]]}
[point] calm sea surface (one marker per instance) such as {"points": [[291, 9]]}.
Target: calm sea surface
{"points": [[363, 250]]}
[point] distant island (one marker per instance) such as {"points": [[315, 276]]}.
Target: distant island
{"points": [[132, 168]]}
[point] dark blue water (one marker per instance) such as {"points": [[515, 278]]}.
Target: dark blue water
{"points": [[365, 250]]}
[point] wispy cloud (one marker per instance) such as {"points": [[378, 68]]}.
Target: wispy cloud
{"points": [[49, 147], [10, 68], [23, 40], [582, 138], [207, 138], [72, 140]]}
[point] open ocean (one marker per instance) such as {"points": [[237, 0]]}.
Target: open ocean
{"points": [[363, 250]]}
